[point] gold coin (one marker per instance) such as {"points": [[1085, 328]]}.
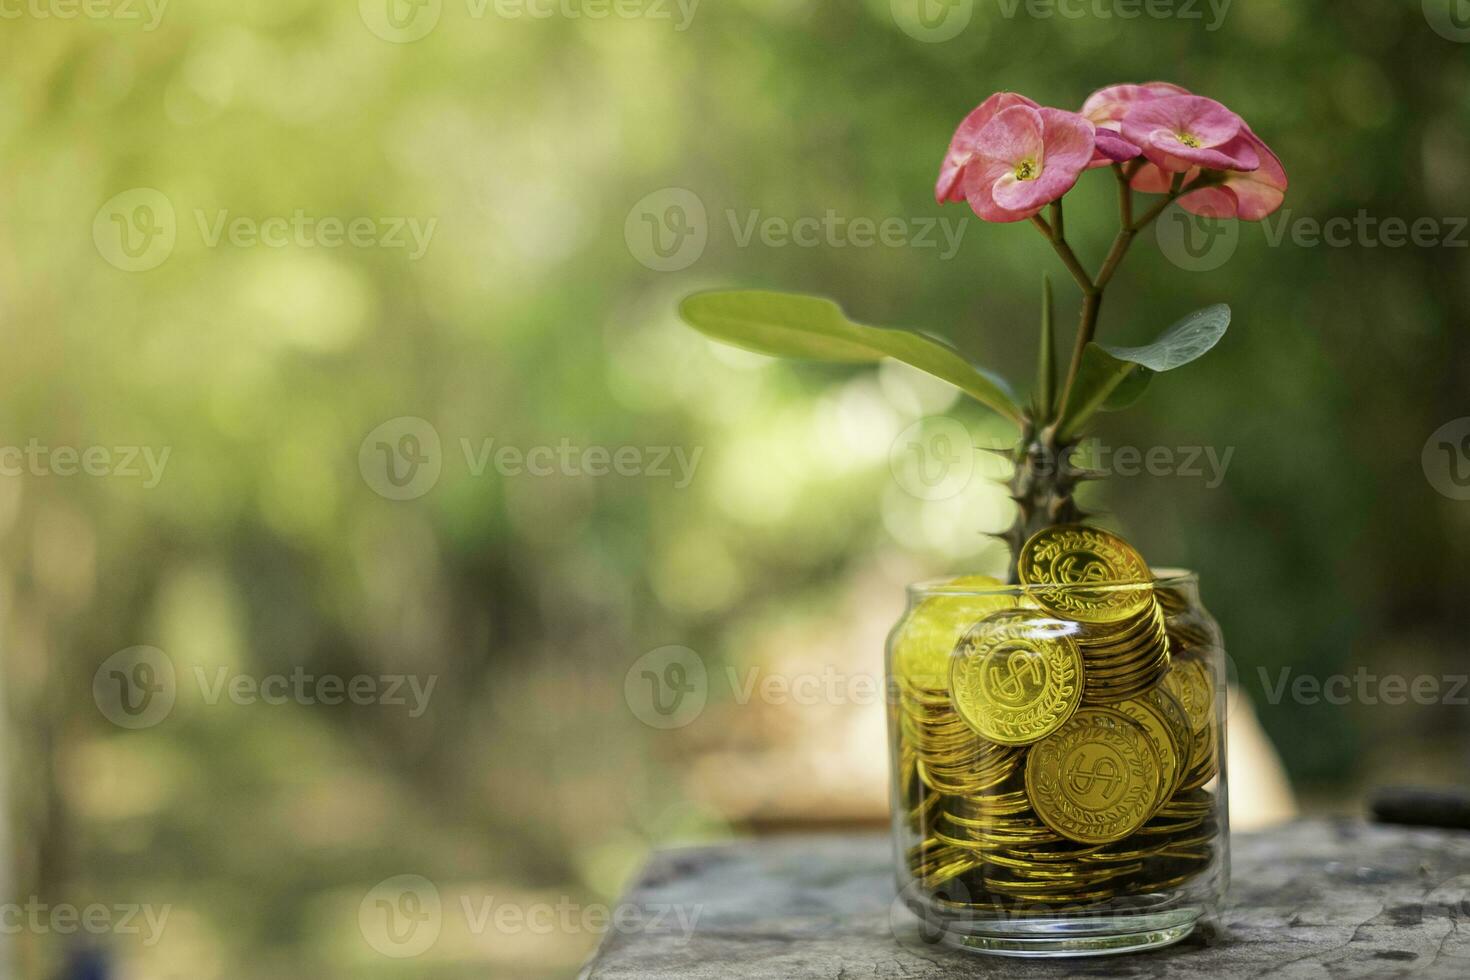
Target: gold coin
{"points": [[1188, 635], [1000, 807], [1206, 765], [1073, 557], [1095, 779], [1016, 676], [1118, 678], [1059, 878], [1122, 667], [1142, 677], [1190, 682], [1114, 668], [925, 639], [1146, 623], [1156, 726], [1173, 714], [1147, 631], [1110, 696]]}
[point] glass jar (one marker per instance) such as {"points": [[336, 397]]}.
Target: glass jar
{"points": [[1058, 784]]}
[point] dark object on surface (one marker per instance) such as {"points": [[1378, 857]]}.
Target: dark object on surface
{"points": [[1311, 899], [1420, 807], [86, 963]]}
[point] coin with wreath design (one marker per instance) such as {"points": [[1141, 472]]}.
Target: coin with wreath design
{"points": [[1096, 779], [1016, 676], [1091, 571]]}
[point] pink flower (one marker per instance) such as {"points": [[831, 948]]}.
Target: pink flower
{"points": [[962, 147], [1178, 132], [1248, 195], [1010, 157], [1106, 108], [1025, 158]]}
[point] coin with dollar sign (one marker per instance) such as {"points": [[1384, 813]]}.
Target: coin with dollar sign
{"points": [[1096, 779], [1091, 570], [1016, 676], [1146, 713]]}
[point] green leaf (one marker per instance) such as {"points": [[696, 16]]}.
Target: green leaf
{"points": [[789, 325], [1111, 378], [1128, 391]]}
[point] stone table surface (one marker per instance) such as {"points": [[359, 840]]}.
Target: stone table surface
{"points": [[1328, 899]]}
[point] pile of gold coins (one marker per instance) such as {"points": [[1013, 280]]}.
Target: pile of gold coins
{"points": [[1057, 744]]}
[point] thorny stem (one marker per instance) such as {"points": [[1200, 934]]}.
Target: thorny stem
{"points": [[1045, 480]]}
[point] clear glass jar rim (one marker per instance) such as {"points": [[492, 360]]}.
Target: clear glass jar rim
{"points": [[1169, 578]]}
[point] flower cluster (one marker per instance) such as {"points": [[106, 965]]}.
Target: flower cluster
{"points": [[1011, 157]]}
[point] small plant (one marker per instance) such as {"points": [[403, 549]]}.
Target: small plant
{"points": [[1012, 160]]}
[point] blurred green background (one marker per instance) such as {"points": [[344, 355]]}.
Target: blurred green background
{"points": [[540, 155]]}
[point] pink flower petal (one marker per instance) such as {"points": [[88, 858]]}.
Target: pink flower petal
{"points": [[1211, 202], [1248, 195], [1152, 179], [980, 181], [1112, 148], [1168, 151], [1261, 191], [1054, 182], [1051, 145], [1109, 105], [1014, 135], [962, 146], [1014, 194], [1070, 140], [1179, 130]]}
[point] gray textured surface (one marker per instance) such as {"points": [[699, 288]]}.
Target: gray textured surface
{"points": [[1310, 900]]}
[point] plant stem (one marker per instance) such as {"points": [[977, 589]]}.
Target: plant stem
{"points": [[1068, 257], [1175, 191], [1125, 196], [1043, 485], [1115, 255], [1046, 363], [1045, 479], [1092, 291], [1086, 328]]}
